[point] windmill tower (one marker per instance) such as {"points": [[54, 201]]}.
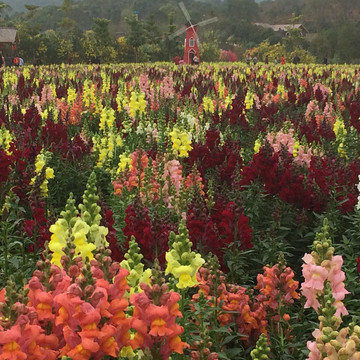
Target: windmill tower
{"points": [[192, 42]]}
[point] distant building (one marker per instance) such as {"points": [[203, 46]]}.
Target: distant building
{"points": [[9, 36], [283, 29]]}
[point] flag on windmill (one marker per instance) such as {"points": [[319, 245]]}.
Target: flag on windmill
{"points": [[192, 42]]}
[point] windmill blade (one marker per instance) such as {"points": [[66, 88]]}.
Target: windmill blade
{"points": [[177, 33], [208, 21], [186, 13], [198, 40]]}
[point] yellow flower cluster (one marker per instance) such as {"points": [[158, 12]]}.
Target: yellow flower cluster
{"points": [[5, 139], [296, 148], [208, 105], [183, 263], [106, 143], [71, 95], [60, 233], [133, 264], [281, 90], [137, 104], [9, 78], [249, 100], [181, 142], [107, 118], [84, 232], [257, 146], [106, 81], [40, 163], [121, 99], [90, 98], [124, 161], [340, 132]]}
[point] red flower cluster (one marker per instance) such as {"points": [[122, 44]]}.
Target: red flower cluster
{"points": [[211, 156], [152, 236], [6, 162], [308, 189]]}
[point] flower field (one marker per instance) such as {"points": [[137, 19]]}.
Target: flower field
{"points": [[155, 211]]}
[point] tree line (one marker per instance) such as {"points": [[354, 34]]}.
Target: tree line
{"points": [[138, 30]]}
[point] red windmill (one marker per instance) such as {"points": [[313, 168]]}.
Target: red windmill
{"points": [[192, 42]]}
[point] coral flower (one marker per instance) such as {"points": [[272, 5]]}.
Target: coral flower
{"points": [[118, 288], [158, 328], [87, 316], [2, 295], [10, 344], [84, 350], [66, 308], [43, 302], [177, 345], [108, 344], [117, 307]]}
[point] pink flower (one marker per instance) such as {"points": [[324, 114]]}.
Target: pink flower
{"points": [[315, 276], [311, 298], [314, 351], [340, 308]]}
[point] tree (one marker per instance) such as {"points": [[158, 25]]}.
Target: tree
{"points": [[137, 36], [90, 45], [348, 50], [294, 39], [101, 31], [241, 9], [171, 47], [210, 51]]}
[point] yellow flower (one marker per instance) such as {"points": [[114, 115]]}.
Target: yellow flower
{"points": [[181, 142], [49, 173], [127, 352], [257, 146], [107, 118], [39, 164], [125, 161], [249, 100], [208, 105], [137, 104], [58, 238], [71, 95], [296, 148], [182, 263]]}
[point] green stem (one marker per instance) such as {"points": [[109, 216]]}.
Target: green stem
{"points": [[6, 249]]}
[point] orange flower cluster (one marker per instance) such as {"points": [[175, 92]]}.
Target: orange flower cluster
{"points": [[150, 187], [276, 289], [236, 304], [277, 286], [83, 313], [155, 312]]}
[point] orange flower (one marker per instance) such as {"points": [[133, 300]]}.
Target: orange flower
{"points": [[159, 327], [117, 307], [29, 341], [10, 341], [107, 341], [12, 351], [2, 295], [88, 316], [177, 345], [66, 305], [43, 303], [49, 346], [118, 288], [83, 351]]}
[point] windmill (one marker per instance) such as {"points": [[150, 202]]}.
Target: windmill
{"points": [[192, 42]]}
